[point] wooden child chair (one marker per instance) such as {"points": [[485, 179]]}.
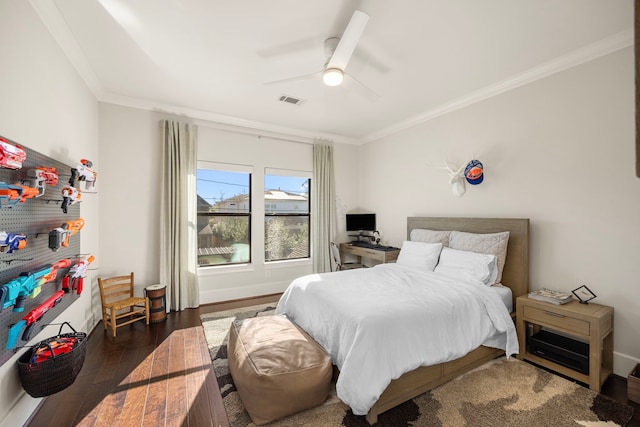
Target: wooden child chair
{"points": [[118, 302]]}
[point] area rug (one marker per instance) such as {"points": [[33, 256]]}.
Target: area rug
{"points": [[500, 393]]}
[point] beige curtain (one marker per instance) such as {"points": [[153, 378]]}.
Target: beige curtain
{"points": [[178, 258], [323, 205]]}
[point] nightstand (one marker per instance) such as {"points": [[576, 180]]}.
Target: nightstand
{"points": [[591, 323]]}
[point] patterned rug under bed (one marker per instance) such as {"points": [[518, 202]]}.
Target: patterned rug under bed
{"points": [[487, 396]]}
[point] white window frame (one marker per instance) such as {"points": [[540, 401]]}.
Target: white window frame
{"points": [[298, 174], [228, 167]]}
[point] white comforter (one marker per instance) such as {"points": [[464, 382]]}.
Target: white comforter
{"points": [[379, 323]]}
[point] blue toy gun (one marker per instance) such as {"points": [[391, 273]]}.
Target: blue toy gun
{"points": [[10, 242], [17, 290]]}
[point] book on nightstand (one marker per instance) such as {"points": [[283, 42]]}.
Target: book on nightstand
{"points": [[554, 297]]}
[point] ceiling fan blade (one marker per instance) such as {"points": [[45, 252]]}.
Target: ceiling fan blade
{"points": [[290, 48], [362, 89], [348, 41], [293, 79]]}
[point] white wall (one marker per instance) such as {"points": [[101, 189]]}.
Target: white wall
{"points": [[46, 107], [130, 193], [130, 197], [559, 151]]}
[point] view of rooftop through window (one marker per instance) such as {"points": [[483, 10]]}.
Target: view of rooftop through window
{"points": [[224, 217], [286, 228], [215, 186]]}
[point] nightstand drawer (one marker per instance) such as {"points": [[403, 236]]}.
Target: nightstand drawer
{"points": [[558, 320]]}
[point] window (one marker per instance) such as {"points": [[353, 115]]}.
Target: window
{"points": [[286, 215], [224, 214]]}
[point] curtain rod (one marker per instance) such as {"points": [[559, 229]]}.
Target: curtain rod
{"points": [[261, 133]]}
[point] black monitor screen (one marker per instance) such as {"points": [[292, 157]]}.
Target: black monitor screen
{"points": [[361, 222]]}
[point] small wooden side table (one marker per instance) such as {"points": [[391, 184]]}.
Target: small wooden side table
{"points": [[591, 322]]}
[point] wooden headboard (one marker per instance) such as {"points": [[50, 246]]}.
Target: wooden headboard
{"points": [[516, 268]]}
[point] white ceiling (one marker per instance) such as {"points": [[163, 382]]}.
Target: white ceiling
{"points": [[210, 59]]}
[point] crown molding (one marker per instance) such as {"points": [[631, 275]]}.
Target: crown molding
{"points": [[50, 16], [588, 53], [54, 22], [229, 123]]}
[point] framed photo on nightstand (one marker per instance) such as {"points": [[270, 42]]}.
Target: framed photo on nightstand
{"points": [[583, 294]]}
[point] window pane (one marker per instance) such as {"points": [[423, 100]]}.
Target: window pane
{"points": [[286, 206], [224, 217], [223, 240], [286, 194], [223, 192], [286, 237]]}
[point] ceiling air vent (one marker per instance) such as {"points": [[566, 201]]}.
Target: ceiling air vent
{"points": [[290, 100]]}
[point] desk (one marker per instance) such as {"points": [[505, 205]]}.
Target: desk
{"points": [[372, 253]]}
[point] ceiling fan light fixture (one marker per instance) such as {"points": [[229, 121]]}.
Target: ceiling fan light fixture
{"points": [[332, 77]]}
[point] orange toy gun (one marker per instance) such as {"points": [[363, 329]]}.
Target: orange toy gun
{"points": [[63, 263], [28, 193], [13, 194], [51, 275], [59, 237], [9, 194]]}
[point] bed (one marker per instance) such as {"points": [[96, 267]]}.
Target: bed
{"points": [[312, 300]]}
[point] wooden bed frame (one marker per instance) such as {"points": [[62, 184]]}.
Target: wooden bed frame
{"points": [[515, 275]]}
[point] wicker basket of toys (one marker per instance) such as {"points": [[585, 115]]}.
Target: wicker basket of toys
{"points": [[53, 364]]}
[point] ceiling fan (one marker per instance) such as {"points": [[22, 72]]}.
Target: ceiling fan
{"points": [[338, 51]]}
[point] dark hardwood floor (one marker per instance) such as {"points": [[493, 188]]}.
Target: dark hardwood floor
{"points": [[162, 376]]}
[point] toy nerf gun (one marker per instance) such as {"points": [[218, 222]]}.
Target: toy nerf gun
{"points": [[63, 263], [17, 290], [11, 156], [42, 176], [10, 194], [62, 345], [10, 242], [59, 237], [28, 192], [70, 196], [83, 172], [77, 275], [13, 194], [31, 319]]}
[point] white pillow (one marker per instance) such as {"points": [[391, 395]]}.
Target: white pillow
{"points": [[430, 236], [419, 254], [468, 265], [489, 243]]}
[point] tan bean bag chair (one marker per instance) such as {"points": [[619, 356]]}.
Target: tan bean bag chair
{"points": [[277, 368]]}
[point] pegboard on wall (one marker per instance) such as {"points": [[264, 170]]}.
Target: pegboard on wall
{"points": [[35, 218]]}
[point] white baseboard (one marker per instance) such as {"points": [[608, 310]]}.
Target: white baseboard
{"points": [[239, 292], [623, 364], [20, 413]]}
